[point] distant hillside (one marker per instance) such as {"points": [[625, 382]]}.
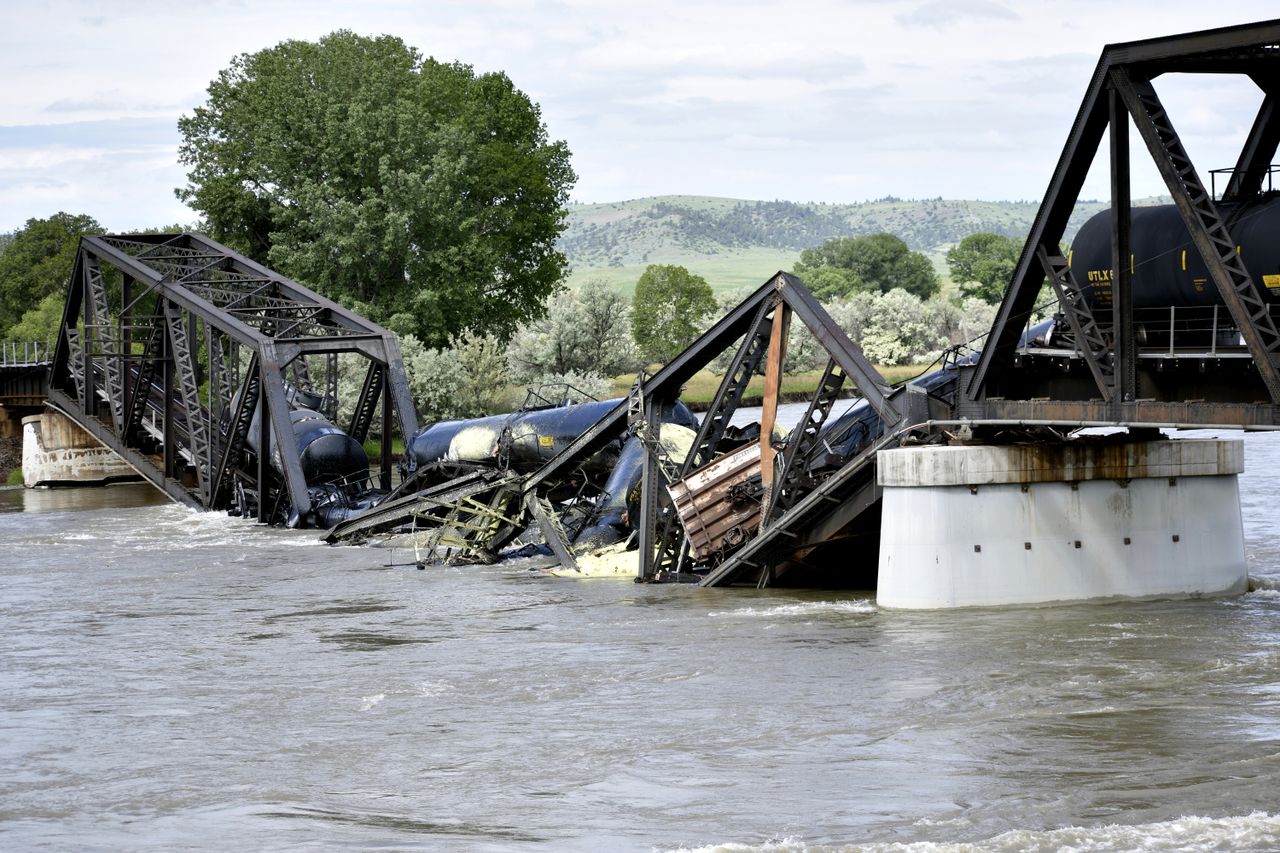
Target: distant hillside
{"points": [[733, 243]]}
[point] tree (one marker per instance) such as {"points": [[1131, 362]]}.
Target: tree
{"points": [[584, 332], [37, 264], [827, 282], [419, 193], [41, 323], [484, 375], [879, 262], [668, 310], [983, 263], [896, 327]]}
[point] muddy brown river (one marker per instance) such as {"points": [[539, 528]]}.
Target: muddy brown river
{"points": [[175, 680]]}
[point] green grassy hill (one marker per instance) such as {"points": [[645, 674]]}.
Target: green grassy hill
{"points": [[734, 243]]}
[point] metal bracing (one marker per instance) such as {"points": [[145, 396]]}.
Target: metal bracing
{"points": [[1209, 233], [236, 435], [197, 422], [664, 547], [1089, 341], [149, 319], [804, 441], [745, 364], [101, 337], [367, 402], [1119, 91]]}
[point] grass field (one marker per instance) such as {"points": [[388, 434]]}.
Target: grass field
{"points": [[746, 268]]}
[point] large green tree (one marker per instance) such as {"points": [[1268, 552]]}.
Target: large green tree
{"points": [[34, 268], [873, 262], [418, 192], [668, 310], [982, 264]]}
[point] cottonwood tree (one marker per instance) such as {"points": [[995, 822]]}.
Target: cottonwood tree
{"points": [[982, 264], [669, 310], [35, 267], [420, 193], [875, 262]]}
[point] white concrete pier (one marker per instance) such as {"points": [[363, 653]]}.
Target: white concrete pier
{"points": [[970, 526], [55, 451]]}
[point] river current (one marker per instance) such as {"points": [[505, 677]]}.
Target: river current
{"points": [[176, 680]]}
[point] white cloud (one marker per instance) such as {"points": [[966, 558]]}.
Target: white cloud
{"points": [[817, 99], [941, 14]]}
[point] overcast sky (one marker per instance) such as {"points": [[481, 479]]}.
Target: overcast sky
{"points": [[822, 101]]}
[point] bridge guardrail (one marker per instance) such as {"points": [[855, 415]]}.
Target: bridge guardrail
{"points": [[24, 353]]}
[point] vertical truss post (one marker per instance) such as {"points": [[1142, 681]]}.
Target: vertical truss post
{"points": [[264, 447], [331, 386], [167, 431], [1126, 356], [384, 477], [246, 403], [88, 339], [276, 408], [301, 373], [105, 345], [183, 362], [1208, 232], [124, 343], [398, 390], [140, 387], [777, 352], [650, 482]]}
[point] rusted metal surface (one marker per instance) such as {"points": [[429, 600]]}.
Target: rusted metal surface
{"points": [[1143, 412], [772, 385], [717, 505], [1063, 462]]}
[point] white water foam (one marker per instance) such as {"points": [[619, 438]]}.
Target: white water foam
{"points": [[1258, 831], [804, 608]]}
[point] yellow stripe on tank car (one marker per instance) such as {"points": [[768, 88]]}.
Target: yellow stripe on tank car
{"points": [[1184, 260], [1131, 265]]}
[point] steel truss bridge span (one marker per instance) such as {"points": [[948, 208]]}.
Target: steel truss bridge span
{"points": [[193, 362]]}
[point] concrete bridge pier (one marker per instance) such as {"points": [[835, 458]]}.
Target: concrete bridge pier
{"points": [[971, 526], [57, 452]]}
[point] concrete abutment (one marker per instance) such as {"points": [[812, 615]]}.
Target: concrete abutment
{"points": [[971, 526], [57, 452]]}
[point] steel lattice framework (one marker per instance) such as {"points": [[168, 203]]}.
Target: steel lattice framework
{"points": [[1120, 92], [173, 347]]}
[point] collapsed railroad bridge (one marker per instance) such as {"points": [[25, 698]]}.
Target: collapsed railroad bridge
{"points": [[971, 485], [880, 491]]}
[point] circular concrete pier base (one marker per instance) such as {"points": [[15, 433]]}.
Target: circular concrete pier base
{"points": [[973, 526]]}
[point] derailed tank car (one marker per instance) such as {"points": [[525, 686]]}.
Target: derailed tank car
{"points": [[334, 465]]}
